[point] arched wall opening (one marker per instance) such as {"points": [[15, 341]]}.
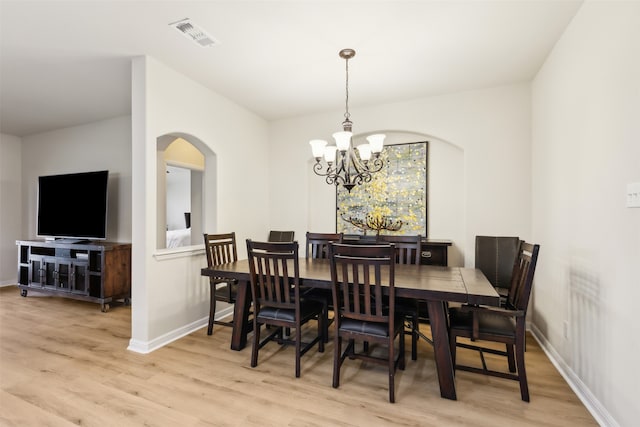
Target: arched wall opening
{"points": [[193, 165]]}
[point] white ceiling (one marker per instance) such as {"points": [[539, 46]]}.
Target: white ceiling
{"points": [[67, 63]]}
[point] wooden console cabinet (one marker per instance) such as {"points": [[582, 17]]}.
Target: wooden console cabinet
{"points": [[435, 252], [99, 272]]}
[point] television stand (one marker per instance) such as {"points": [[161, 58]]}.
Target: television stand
{"points": [[98, 272], [71, 241]]}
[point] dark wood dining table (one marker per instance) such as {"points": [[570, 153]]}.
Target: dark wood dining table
{"points": [[435, 285]]}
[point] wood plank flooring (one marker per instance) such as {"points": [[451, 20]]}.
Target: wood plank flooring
{"points": [[64, 363]]}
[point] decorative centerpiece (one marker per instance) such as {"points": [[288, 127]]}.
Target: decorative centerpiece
{"points": [[374, 221]]}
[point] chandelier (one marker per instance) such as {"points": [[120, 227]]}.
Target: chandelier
{"points": [[351, 168]]}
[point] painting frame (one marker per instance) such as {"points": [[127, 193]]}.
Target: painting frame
{"points": [[396, 194]]}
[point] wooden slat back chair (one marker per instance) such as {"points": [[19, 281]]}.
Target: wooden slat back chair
{"points": [[358, 274], [317, 247], [318, 244], [275, 288], [281, 236], [500, 324], [408, 250], [496, 257], [220, 249], [407, 247]]}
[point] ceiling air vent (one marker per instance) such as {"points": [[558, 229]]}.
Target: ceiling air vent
{"points": [[194, 33]]}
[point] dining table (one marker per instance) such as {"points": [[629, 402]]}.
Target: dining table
{"points": [[435, 285]]}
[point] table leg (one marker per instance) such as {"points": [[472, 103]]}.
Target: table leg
{"points": [[440, 334], [241, 316]]}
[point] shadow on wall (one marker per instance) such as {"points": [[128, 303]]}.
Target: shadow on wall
{"points": [[586, 337]]}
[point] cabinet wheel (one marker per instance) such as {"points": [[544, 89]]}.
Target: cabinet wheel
{"points": [[127, 301], [23, 292], [104, 308]]}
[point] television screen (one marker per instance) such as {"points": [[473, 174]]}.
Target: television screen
{"points": [[73, 206]]}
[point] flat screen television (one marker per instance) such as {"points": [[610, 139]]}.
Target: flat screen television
{"points": [[73, 206]]}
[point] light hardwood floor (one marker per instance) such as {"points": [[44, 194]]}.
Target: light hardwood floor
{"points": [[63, 363]]}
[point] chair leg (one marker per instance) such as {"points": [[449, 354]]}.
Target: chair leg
{"points": [[392, 365], [511, 358], [522, 373], [415, 328], [212, 309], [327, 324], [322, 331], [325, 331], [337, 350], [298, 349], [402, 353], [256, 343]]}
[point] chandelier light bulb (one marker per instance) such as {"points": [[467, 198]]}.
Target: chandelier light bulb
{"points": [[365, 152], [317, 147], [376, 142], [330, 153], [343, 140]]}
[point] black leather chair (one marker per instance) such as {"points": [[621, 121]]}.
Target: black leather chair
{"points": [[495, 257], [281, 236]]}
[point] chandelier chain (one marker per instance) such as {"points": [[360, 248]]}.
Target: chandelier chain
{"points": [[346, 102]]}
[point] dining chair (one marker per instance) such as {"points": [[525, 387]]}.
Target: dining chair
{"points": [[275, 288], [408, 250], [220, 249], [358, 275], [499, 324], [495, 257], [281, 236], [317, 247], [318, 244]]}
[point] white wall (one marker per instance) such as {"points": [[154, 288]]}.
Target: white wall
{"points": [[93, 146], [10, 206], [586, 148], [491, 188], [169, 297]]}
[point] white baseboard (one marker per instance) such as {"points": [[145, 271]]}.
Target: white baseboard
{"points": [[593, 405], [7, 283], [146, 347]]}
